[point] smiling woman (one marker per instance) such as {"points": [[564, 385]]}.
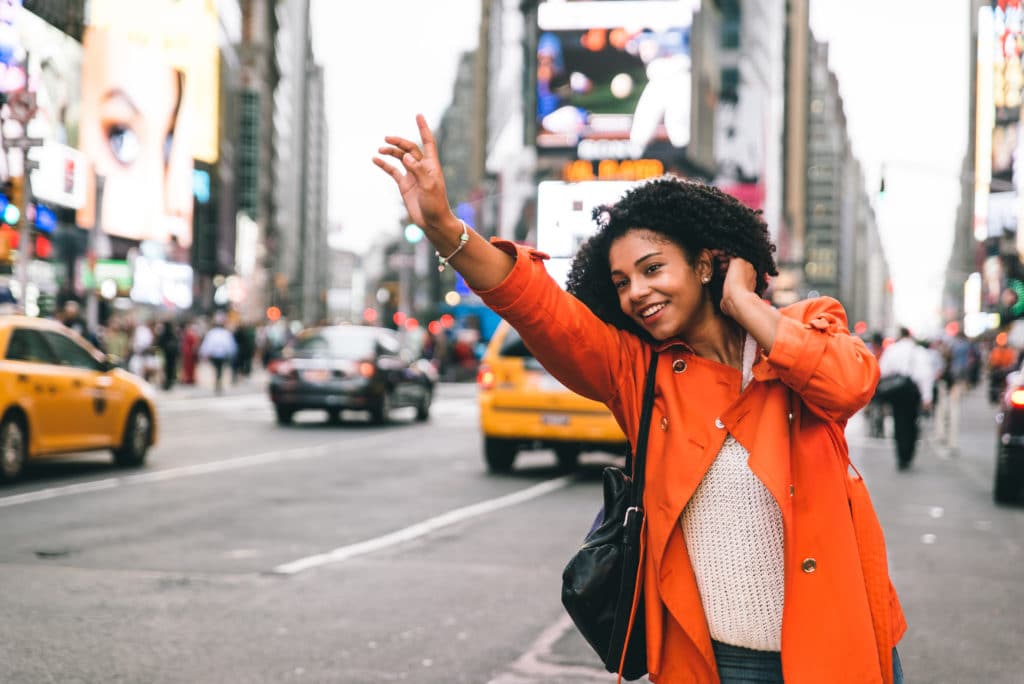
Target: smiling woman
{"points": [[747, 467]]}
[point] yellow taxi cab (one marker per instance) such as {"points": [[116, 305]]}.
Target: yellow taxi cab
{"points": [[523, 407], [59, 394]]}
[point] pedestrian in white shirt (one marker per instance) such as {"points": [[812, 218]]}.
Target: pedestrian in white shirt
{"points": [[907, 380], [220, 348]]}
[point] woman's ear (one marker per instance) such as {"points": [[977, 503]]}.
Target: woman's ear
{"points": [[705, 266]]}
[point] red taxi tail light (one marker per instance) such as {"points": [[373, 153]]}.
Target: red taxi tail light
{"points": [[1017, 398], [485, 377], [366, 369]]}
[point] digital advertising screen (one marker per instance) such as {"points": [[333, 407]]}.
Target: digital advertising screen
{"points": [[149, 107], [614, 76]]}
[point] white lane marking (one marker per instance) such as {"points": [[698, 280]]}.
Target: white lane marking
{"points": [[183, 471], [406, 534]]}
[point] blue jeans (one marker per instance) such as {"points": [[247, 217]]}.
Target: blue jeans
{"points": [[737, 665]]}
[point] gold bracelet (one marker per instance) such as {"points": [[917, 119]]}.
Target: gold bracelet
{"points": [[442, 261]]}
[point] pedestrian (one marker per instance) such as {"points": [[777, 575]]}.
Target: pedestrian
{"points": [[910, 370], [957, 379], [220, 348], [189, 353], [876, 408], [746, 470], [169, 344], [143, 361], [1002, 360]]}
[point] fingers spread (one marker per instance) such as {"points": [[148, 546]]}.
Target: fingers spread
{"points": [[387, 168], [429, 146]]}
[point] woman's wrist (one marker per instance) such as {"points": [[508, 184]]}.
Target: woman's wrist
{"points": [[445, 234]]}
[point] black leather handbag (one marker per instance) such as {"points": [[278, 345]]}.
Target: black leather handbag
{"points": [[600, 586]]}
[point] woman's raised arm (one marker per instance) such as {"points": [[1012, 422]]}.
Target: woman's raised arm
{"points": [[423, 191]]}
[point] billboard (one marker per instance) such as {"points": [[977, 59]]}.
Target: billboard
{"points": [[150, 105], [565, 221], [613, 77]]}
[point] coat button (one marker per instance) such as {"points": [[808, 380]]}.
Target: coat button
{"points": [[719, 424], [809, 565], [664, 424], [678, 366]]}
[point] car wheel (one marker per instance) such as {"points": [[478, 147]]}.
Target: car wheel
{"points": [[499, 454], [381, 413], [135, 442], [1007, 487], [284, 415], [568, 457], [13, 449], [423, 408]]}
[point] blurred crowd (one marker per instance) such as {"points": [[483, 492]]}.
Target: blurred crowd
{"points": [[942, 370], [169, 350]]}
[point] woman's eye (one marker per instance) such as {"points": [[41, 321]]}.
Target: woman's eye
{"points": [[619, 284], [652, 268], [124, 144]]}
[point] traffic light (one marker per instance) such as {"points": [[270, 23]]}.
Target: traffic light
{"points": [[10, 201], [413, 233]]}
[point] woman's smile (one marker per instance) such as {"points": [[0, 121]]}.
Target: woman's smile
{"points": [[650, 313]]}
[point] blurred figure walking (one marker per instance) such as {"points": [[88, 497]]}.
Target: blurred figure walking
{"points": [[1001, 361], [906, 384], [167, 341], [189, 353], [220, 348], [960, 358], [876, 409]]}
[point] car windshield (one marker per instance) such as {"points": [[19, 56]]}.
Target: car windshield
{"points": [[514, 346], [343, 343]]}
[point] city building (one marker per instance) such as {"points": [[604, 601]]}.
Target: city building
{"points": [[299, 181]]}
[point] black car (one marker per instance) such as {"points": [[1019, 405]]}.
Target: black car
{"points": [[1009, 477], [350, 367]]}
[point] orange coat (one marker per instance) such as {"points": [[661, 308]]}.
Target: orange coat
{"points": [[829, 632]]}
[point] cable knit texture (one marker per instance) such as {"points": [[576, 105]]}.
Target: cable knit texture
{"points": [[733, 532]]}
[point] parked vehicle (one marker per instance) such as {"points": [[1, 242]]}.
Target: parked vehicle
{"points": [[350, 367], [1009, 477], [59, 394], [523, 407]]}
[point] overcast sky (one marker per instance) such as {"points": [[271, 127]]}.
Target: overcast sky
{"points": [[902, 68]]}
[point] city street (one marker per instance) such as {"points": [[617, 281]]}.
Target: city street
{"points": [[248, 552]]}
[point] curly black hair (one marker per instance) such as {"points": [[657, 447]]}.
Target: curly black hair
{"points": [[692, 215]]}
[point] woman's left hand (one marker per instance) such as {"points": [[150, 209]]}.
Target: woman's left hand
{"points": [[740, 281]]}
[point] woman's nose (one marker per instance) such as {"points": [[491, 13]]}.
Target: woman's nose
{"points": [[638, 289]]}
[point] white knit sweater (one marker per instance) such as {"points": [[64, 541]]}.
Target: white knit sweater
{"points": [[733, 532]]}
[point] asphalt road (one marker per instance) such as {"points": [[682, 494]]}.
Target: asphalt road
{"points": [[247, 552]]}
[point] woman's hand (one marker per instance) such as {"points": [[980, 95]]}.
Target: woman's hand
{"points": [[741, 303], [422, 184], [740, 281]]}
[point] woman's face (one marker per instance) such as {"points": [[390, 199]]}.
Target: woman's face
{"points": [[656, 284]]}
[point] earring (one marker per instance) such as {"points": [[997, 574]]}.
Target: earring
{"points": [[705, 280]]}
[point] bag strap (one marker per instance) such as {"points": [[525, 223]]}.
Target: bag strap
{"points": [[640, 452]]}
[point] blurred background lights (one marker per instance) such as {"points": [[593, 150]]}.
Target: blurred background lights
{"points": [[621, 86]]}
